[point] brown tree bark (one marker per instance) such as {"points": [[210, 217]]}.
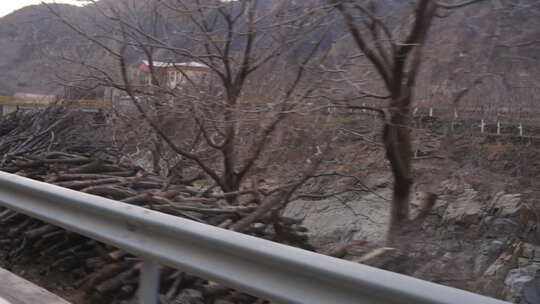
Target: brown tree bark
{"points": [[397, 143]]}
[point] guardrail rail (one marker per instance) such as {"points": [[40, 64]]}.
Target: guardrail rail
{"points": [[259, 267]]}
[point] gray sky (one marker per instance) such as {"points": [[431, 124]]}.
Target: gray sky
{"points": [[7, 6]]}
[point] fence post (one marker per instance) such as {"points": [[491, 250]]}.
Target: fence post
{"points": [[149, 282], [430, 112], [482, 126], [520, 127], [498, 128]]}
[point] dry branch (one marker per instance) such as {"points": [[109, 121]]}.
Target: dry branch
{"points": [[108, 274]]}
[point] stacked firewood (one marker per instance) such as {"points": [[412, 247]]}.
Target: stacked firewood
{"points": [[53, 128], [108, 274]]}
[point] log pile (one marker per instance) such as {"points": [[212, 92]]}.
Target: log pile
{"points": [[108, 274], [54, 128]]}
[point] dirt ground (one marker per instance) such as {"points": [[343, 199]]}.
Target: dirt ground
{"points": [[37, 272]]}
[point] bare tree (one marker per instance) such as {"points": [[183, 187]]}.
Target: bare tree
{"points": [[396, 57], [224, 119]]}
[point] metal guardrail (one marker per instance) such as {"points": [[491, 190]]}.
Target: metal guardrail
{"points": [[270, 270]]}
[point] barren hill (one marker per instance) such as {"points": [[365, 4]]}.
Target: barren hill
{"points": [[496, 42]]}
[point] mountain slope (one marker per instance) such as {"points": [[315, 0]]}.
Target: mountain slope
{"points": [[26, 37], [497, 41]]}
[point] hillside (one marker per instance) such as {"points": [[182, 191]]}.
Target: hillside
{"points": [[30, 37], [496, 41]]}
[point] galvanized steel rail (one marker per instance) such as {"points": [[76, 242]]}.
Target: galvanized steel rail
{"points": [[270, 270]]}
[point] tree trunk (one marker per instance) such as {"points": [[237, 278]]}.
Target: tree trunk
{"points": [[397, 142], [156, 156]]}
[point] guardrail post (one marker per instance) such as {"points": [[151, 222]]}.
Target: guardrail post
{"points": [[520, 127], [498, 128], [430, 112], [149, 282]]}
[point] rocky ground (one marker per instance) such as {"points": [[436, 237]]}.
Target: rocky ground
{"points": [[482, 233]]}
